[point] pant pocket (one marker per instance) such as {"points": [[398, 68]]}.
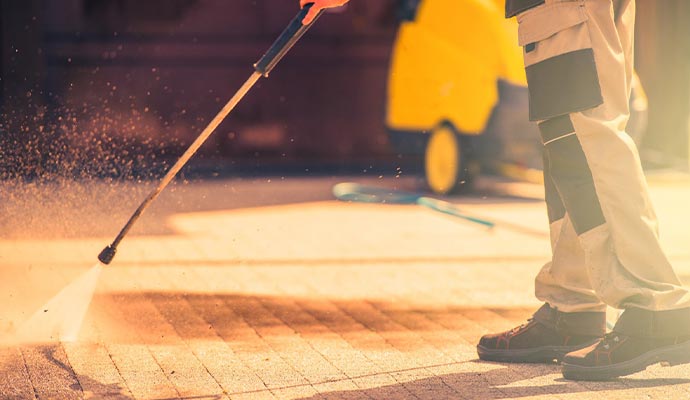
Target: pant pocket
{"points": [[559, 60]]}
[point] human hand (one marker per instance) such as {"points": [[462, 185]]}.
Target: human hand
{"points": [[318, 6]]}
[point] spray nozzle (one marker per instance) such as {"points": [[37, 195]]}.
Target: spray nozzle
{"points": [[107, 254]]}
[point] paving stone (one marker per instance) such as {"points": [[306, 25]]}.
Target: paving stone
{"points": [[97, 374], [51, 375], [15, 381]]}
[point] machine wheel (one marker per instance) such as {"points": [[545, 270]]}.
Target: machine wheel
{"points": [[448, 167]]}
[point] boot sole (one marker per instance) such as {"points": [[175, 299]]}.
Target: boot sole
{"points": [[538, 355], [672, 355]]}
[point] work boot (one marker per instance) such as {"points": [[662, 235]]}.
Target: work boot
{"points": [[545, 338], [640, 338]]}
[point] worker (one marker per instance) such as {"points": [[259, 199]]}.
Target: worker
{"points": [[605, 248]]}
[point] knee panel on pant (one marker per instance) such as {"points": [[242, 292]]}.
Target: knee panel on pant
{"points": [[570, 172], [554, 205]]}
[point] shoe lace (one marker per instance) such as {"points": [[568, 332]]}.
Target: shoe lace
{"points": [[608, 339], [521, 327]]}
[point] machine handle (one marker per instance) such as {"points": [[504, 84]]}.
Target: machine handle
{"points": [[285, 41]]}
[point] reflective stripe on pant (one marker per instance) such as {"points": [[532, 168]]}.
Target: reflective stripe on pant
{"points": [[604, 231]]}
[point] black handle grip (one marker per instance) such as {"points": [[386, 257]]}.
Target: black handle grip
{"points": [[285, 41]]}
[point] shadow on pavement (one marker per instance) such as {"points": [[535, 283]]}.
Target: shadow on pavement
{"points": [[498, 384], [55, 377], [141, 317]]}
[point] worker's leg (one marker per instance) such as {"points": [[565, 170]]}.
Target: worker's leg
{"points": [[578, 55], [579, 63], [572, 318], [579, 76], [564, 282]]}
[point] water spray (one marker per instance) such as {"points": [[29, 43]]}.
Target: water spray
{"points": [[292, 33]]}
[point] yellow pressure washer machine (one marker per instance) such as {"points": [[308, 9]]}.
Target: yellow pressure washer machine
{"points": [[457, 93]]}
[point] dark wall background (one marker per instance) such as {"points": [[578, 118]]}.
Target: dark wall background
{"points": [[124, 72], [129, 82], [663, 63]]}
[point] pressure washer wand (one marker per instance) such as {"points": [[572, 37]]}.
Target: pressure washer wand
{"points": [[292, 33]]}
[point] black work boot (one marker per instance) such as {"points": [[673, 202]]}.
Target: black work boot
{"points": [[546, 337], [640, 338]]}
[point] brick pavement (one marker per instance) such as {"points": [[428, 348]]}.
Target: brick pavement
{"points": [[249, 289]]}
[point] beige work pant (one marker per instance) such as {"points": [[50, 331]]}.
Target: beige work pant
{"points": [[578, 57]]}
